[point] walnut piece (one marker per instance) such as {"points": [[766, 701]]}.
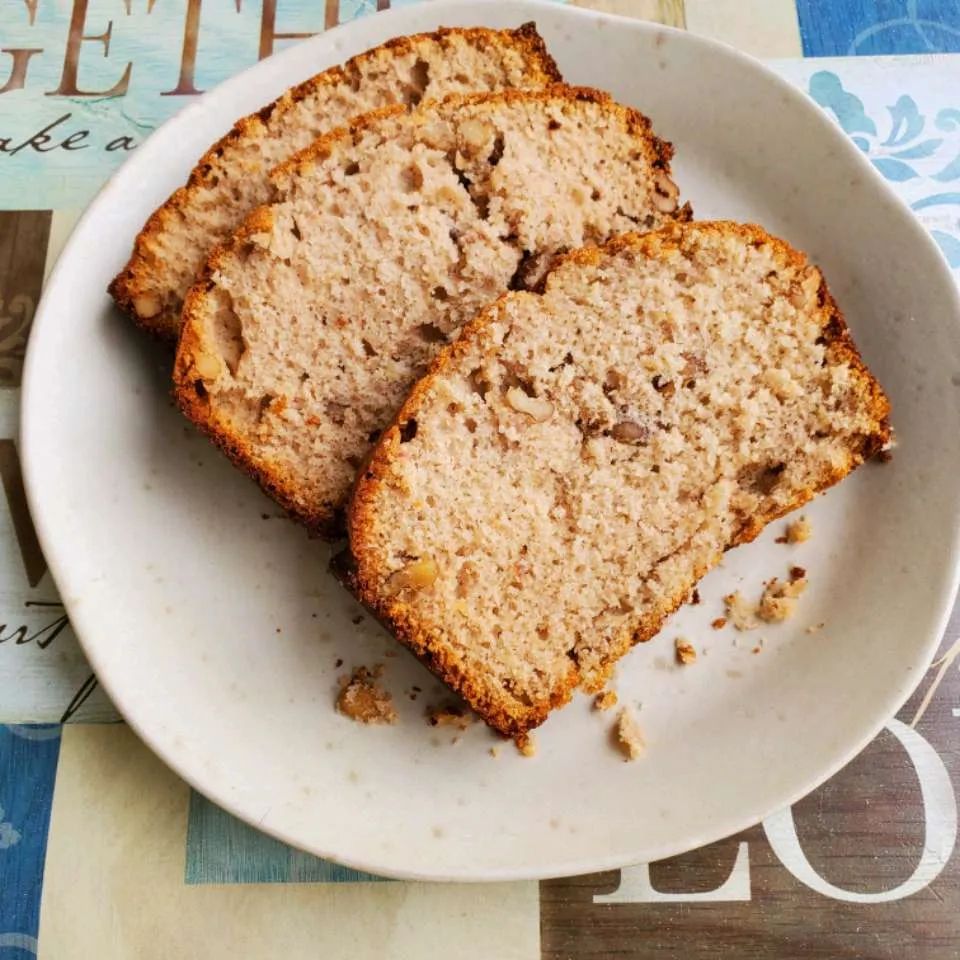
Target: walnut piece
{"points": [[146, 306], [475, 134], [665, 193], [208, 366], [534, 407], [629, 432], [416, 575]]}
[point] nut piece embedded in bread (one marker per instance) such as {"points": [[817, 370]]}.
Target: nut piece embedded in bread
{"points": [[231, 179], [383, 241], [581, 542]]}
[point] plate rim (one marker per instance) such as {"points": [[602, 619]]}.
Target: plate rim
{"points": [[216, 793]]}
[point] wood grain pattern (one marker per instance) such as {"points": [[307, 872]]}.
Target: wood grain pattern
{"points": [[10, 473], [23, 250]]}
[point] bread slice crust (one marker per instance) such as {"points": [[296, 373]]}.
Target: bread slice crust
{"points": [[361, 568], [140, 290], [324, 517]]}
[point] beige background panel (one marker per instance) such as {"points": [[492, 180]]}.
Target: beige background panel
{"points": [[764, 28], [114, 889], [669, 12], [61, 226]]}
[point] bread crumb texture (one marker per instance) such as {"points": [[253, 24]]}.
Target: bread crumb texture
{"points": [[629, 736], [310, 327], [701, 383], [231, 179], [779, 599], [449, 716], [799, 531], [527, 745], [778, 602], [684, 650], [362, 699], [605, 701]]}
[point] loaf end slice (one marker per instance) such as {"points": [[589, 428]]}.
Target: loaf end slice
{"points": [[231, 178], [307, 329], [558, 482]]}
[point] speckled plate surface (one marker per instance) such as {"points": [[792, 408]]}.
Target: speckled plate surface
{"points": [[217, 630]]}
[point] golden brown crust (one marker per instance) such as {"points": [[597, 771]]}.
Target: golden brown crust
{"points": [[129, 284], [188, 389], [509, 717]]}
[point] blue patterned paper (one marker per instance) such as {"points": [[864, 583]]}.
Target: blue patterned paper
{"points": [[848, 28], [904, 145], [28, 763]]}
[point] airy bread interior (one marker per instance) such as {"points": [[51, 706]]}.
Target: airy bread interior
{"points": [[231, 179], [556, 485], [309, 328]]}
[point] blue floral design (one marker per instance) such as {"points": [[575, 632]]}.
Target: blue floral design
{"points": [[905, 142], [924, 32], [9, 835]]}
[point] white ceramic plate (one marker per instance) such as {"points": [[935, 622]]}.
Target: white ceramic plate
{"points": [[217, 632]]}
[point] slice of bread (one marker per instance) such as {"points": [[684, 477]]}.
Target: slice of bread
{"points": [[558, 482], [231, 178], [309, 327]]}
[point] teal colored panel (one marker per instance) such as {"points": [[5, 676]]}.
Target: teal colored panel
{"points": [[223, 849]]}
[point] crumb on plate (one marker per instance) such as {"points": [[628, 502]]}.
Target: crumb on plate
{"points": [[684, 651], [740, 612], [605, 700], [362, 699], [527, 745], [450, 715], [779, 600], [629, 737], [799, 531]]}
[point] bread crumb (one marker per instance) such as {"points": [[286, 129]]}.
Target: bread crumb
{"points": [[494, 752], [799, 531], [740, 612], [777, 603], [719, 623], [605, 700], [527, 745], [451, 715], [779, 600], [815, 628], [363, 700], [684, 651], [695, 597], [629, 737]]}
